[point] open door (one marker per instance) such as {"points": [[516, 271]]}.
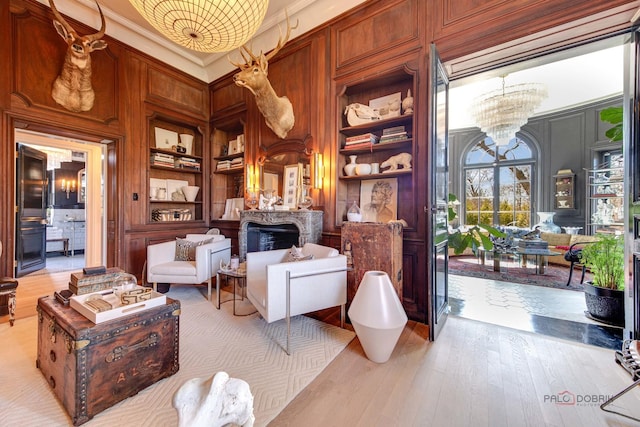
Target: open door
{"points": [[438, 189], [631, 149], [31, 220]]}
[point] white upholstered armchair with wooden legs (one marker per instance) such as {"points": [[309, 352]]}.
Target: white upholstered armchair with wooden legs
{"points": [[188, 260], [280, 290]]}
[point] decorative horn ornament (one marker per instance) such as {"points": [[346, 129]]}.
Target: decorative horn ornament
{"points": [[72, 88], [277, 110]]}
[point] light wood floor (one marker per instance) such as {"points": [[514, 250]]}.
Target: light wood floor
{"points": [[475, 374]]}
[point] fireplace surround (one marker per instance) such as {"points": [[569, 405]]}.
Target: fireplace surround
{"points": [[280, 226]]}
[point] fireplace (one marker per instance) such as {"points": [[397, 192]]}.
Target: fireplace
{"points": [[262, 230], [270, 237]]}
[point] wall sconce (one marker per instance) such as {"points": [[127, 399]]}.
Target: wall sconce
{"points": [[318, 171], [68, 186], [253, 178]]}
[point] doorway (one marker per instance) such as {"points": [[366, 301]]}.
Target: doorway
{"points": [[566, 133], [75, 226]]}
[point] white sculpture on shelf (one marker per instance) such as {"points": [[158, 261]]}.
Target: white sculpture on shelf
{"points": [[359, 114], [214, 402], [402, 159], [407, 103]]}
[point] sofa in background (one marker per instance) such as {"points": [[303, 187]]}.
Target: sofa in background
{"points": [[560, 242]]}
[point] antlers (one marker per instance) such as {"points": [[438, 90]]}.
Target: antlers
{"points": [[72, 88], [69, 28], [257, 59]]}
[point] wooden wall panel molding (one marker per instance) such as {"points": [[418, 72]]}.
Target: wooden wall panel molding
{"points": [[165, 86], [468, 27], [374, 32], [414, 292], [225, 97], [460, 11], [290, 74], [570, 33], [37, 55]]}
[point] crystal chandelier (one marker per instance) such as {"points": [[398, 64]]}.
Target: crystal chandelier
{"points": [[204, 25], [502, 112]]}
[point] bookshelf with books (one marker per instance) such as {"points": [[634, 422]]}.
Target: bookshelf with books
{"points": [[377, 140], [175, 161], [228, 142]]}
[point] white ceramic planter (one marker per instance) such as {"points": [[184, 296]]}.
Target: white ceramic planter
{"points": [[377, 316]]}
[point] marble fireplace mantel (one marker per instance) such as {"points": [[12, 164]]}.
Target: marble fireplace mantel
{"points": [[309, 224]]}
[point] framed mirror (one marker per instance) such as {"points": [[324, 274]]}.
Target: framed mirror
{"points": [[277, 157]]}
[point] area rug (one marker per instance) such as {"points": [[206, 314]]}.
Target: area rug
{"points": [[211, 340], [555, 276]]}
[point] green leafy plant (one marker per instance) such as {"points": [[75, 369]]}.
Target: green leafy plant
{"points": [[605, 259], [614, 116], [470, 237]]}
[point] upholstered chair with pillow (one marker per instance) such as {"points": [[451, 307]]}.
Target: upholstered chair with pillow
{"points": [[193, 259], [285, 282]]}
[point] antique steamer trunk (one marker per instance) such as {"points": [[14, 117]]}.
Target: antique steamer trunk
{"points": [[372, 246], [90, 367]]}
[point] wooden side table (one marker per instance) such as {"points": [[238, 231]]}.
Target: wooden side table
{"points": [[8, 288]]}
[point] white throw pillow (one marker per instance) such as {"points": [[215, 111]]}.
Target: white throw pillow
{"points": [[295, 254]]}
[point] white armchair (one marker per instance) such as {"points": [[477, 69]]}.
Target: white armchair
{"points": [[162, 266], [280, 290]]}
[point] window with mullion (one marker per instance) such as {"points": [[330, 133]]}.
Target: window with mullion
{"points": [[499, 183]]}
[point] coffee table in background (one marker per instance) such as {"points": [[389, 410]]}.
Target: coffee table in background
{"points": [[540, 258]]}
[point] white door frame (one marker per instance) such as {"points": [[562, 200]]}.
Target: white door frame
{"points": [[95, 244]]}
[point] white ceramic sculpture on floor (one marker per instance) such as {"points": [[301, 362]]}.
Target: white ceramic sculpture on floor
{"points": [[377, 316], [214, 402]]}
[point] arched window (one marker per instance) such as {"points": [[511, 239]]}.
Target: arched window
{"points": [[499, 183]]}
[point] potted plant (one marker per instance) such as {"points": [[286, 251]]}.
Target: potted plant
{"points": [[613, 115], [469, 236], [604, 295]]}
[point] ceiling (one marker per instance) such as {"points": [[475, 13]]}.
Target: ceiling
{"points": [[572, 78], [124, 23]]}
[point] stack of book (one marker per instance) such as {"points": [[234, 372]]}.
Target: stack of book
{"points": [[161, 159], [359, 142], [223, 165], [187, 163], [236, 163], [81, 283], [533, 246], [393, 134]]}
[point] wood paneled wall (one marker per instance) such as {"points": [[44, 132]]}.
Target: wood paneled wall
{"points": [[131, 87]]}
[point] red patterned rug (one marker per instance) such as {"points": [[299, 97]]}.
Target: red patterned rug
{"points": [[555, 276]]}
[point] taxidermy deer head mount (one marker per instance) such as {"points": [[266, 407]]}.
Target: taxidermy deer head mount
{"points": [[72, 89], [277, 110]]}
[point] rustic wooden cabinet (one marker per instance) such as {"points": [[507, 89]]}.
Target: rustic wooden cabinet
{"points": [[371, 246]]}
